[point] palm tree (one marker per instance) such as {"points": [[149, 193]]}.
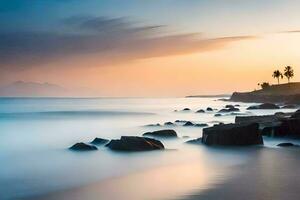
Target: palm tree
{"points": [[288, 72], [277, 74]]}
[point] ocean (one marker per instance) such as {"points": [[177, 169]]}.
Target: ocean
{"points": [[35, 162]]}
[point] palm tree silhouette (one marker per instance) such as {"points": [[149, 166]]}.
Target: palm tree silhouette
{"points": [[277, 74], [288, 72]]}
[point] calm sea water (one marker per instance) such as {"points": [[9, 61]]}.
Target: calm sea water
{"points": [[35, 135]]}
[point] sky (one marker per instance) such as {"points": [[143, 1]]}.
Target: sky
{"points": [[156, 48]]}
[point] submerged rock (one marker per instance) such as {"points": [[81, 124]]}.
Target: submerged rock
{"points": [[169, 124], [98, 141], [82, 147], [289, 106], [200, 111], [134, 143], [181, 121], [218, 115], [195, 141], [188, 123], [201, 125], [150, 125], [229, 106], [162, 133], [186, 109], [264, 106], [286, 144], [224, 110], [232, 134]]}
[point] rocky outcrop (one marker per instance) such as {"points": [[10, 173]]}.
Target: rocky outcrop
{"points": [[232, 134], [82, 147], [195, 141], [167, 133], [200, 111], [264, 106], [132, 143], [99, 141]]}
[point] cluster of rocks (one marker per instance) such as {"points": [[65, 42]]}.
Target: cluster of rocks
{"points": [[229, 108], [129, 143], [179, 122], [277, 125], [198, 111]]}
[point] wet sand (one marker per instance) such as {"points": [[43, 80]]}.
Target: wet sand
{"points": [[270, 174]]}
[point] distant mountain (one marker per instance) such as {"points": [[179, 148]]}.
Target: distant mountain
{"points": [[32, 89]]}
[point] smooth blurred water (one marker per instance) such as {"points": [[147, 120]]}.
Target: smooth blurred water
{"points": [[35, 134]]}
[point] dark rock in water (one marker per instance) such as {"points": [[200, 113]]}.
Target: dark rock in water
{"points": [[237, 105], [169, 124], [82, 147], [201, 125], [153, 124], [98, 141], [264, 106], [195, 141], [175, 110], [200, 111], [232, 134], [209, 109], [181, 121], [289, 106], [186, 136], [186, 109], [229, 106], [133, 143], [218, 115], [296, 114], [229, 110], [286, 144], [162, 133], [189, 124]]}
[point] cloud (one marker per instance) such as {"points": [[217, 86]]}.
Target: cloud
{"points": [[112, 39]]}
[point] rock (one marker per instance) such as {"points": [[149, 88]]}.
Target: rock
{"points": [[232, 134], [82, 147], [289, 106], [296, 114], [201, 125], [200, 111], [286, 144], [229, 110], [209, 109], [150, 125], [133, 143], [195, 141], [237, 105], [186, 136], [218, 115], [169, 124], [229, 106], [264, 106], [189, 124], [162, 133], [181, 121], [98, 141], [186, 109]]}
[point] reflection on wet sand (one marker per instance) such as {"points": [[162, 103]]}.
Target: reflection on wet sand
{"points": [[160, 183]]}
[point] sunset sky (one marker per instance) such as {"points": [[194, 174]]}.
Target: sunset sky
{"points": [[148, 47]]}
